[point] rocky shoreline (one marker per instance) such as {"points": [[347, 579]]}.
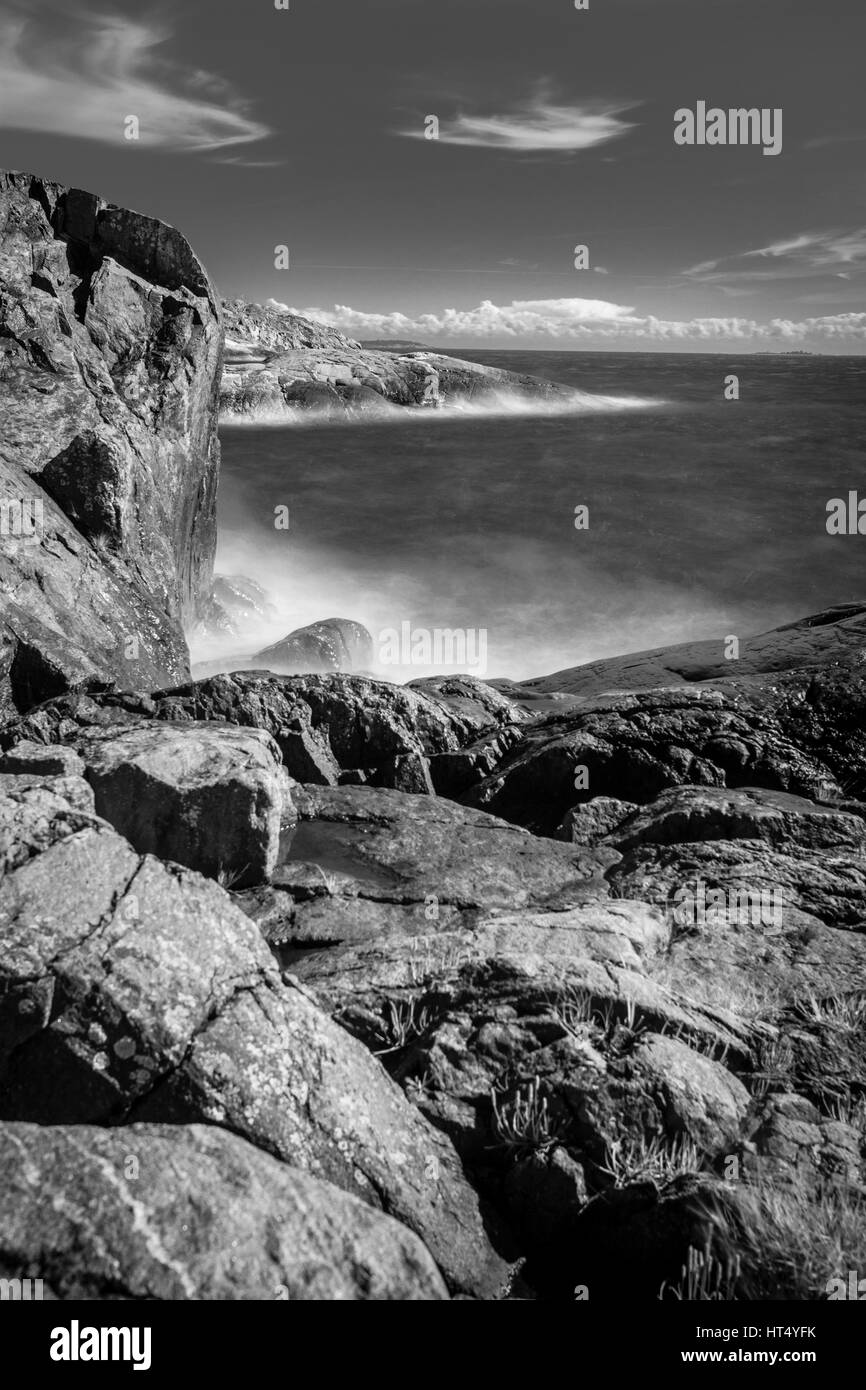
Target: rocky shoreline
{"points": [[319, 987], [278, 364]]}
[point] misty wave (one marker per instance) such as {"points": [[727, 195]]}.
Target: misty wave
{"points": [[494, 405]]}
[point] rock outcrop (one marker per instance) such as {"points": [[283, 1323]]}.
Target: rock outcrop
{"points": [[253, 329], [211, 797], [235, 606], [110, 358], [362, 862], [278, 363], [835, 634]]}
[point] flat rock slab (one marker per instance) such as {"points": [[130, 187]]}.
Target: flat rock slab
{"points": [[836, 634], [190, 1212], [363, 862]]}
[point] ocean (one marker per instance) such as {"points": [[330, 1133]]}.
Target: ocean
{"points": [[706, 516]]}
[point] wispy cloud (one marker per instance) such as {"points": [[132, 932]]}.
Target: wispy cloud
{"points": [[590, 321], [86, 77], [539, 125], [795, 257]]}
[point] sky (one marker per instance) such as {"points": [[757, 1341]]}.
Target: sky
{"points": [[306, 127]]}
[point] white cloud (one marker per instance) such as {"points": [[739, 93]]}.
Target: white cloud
{"points": [[86, 78], [585, 321], [537, 126]]}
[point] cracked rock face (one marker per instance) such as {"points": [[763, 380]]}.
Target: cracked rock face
{"points": [[630, 747], [136, 990], [110, 353], [183, 1212]]}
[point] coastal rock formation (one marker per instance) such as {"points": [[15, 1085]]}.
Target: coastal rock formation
{"points": [[599, 1028], [110, 358], [363, 862], [799, 731], [329, 729], [335, 727], [278, 363], [253, 329]]}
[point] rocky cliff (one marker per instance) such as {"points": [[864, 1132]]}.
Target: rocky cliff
{"points": [[110, 359]]}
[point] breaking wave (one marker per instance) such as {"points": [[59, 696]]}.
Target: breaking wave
{"points": [[494, 405]]}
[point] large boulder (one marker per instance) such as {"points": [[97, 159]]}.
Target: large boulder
{"points": [[209, 796], [189, 1212], [110, 355]]}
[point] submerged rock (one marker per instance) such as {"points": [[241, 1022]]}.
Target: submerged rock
{"points": [[334, 644]]}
